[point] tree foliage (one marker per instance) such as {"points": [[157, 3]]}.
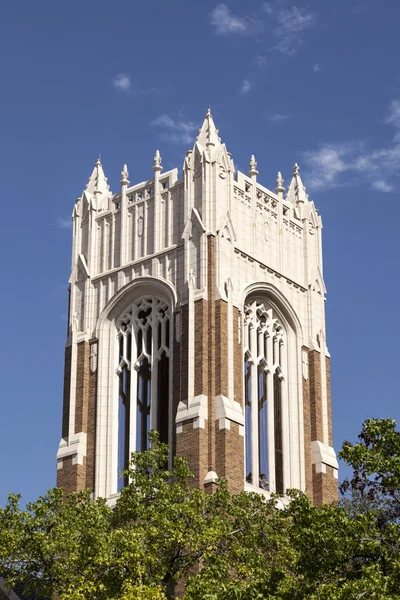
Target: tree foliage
{"points": [[162, 532]]}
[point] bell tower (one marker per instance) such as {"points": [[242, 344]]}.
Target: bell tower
{"points": [[197, 308]]}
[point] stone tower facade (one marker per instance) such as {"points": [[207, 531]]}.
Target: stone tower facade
{"points": [[197, 309]]}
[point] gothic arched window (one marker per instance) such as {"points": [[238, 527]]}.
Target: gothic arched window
{"points": [[143, 333], [264, 359]]}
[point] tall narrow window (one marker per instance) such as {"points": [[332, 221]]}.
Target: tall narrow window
{"points": [[143, 334], [262, 428], [124, 389], [247, 392], [278, 433], [264, 347]]}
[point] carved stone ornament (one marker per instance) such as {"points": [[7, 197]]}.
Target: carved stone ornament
{"points": [[93, 357], [305, 364], [222, 172]]}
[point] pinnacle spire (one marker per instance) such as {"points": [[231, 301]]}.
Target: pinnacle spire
{"points": [[297, 190], [279, 184], [208, 133], [253, 166], [98, 181], [157, 162], [124, 175]]}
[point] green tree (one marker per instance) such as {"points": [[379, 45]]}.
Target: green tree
{"points": [[162, 531]]}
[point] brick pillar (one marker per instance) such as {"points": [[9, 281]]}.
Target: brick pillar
{"points": [[324, 464], [229, 433], [76, 458], [307, 425], [212, 443], [192, 435]]}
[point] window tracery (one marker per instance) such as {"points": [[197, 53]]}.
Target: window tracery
{"points": [[143, 333], [264, 350]]}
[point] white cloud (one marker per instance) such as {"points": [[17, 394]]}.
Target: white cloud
{"points": [[316, 68], [178, 132], [122, 82], [225, 22], [393, 118], [291, 23], [64, 222], [286, 24], [267, 8], [295, 20], [278, 118], [245, 86], [261, 62], [382, 186], [352, 163], [328, 163]]}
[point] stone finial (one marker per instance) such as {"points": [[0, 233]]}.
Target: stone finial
{"points": [[124, 176], [253, 166], [157, 162], [279, 184], [296, 169]]}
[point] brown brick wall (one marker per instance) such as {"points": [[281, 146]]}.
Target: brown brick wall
{"points": [[237, 359], [314, 369], [325, 487], [67, 390], [91, 431], [307, 435], [200, 347], [192, 443], [71, 478], [82, 387], [210, 449], [221, 348], [230, 457], [76, 477]]}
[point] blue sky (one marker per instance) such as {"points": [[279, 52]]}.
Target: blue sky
{"points": [[314, 82]]}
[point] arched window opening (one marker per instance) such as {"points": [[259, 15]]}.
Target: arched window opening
{"points": [[264, 346], [143, 334]]}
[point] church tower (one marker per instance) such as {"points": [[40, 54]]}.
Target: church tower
{"points": [[197, 308]]}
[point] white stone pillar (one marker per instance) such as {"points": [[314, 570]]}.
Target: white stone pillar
{"points": [[157, 168], [123, 237]]}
